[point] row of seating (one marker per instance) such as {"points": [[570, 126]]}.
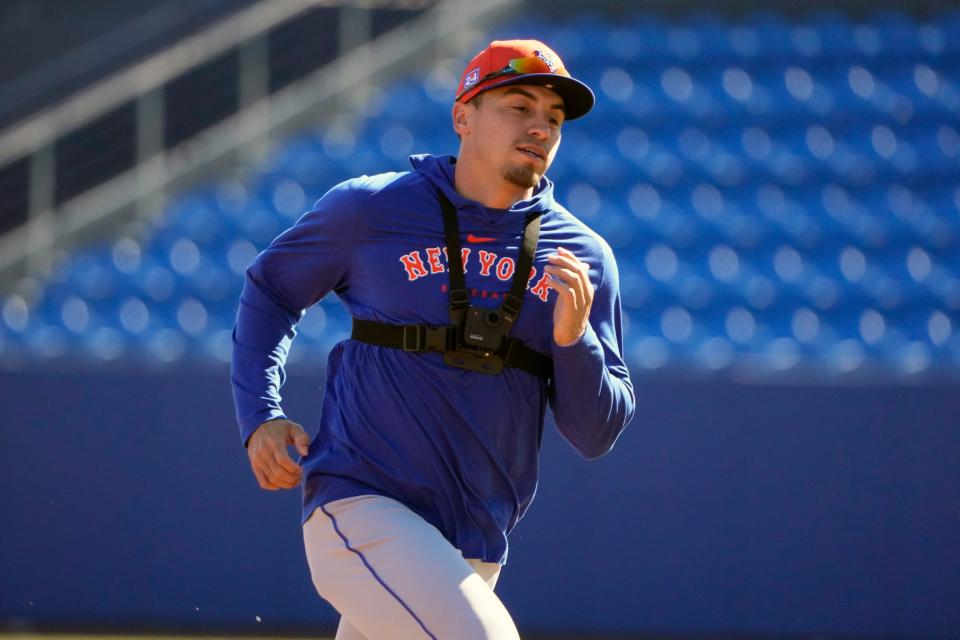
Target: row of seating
{"points": [[775, 204], [830, 35], [185, 329]]}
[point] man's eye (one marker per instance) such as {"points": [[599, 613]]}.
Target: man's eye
{"points": [[520, 108]]}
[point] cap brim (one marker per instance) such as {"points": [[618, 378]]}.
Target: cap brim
{"points": [[578, 98]]}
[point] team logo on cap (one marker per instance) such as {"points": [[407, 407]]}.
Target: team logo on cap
{"points": [[472, 78], [547, 59]]}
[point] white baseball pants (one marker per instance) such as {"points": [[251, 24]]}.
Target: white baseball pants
{"points": [[393, 576]]}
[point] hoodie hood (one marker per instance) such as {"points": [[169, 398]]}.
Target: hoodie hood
{"points": [[439, 170]]}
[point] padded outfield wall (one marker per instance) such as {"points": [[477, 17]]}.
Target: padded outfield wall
{"points": [[127, 502]]}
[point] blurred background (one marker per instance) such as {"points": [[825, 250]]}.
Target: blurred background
{"points": [[780, 184]]}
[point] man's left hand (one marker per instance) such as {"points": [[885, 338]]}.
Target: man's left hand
{"points": [[569, 277]]}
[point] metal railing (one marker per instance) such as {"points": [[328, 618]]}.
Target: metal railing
{"points": [[259, 114]]}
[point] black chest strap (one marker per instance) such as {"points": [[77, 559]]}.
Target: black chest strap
{"points": [[449, 339], [443, 339], [458, 296]]}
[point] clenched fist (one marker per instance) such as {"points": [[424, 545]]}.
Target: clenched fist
{"points": [[267, 449]]}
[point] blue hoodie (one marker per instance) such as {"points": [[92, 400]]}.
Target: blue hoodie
{"points": [[459, 448]]}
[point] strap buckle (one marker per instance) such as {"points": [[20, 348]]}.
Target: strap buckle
{"points": [[511, 307], [438, 338], [459, 298], [413, 338], [421, 337]]}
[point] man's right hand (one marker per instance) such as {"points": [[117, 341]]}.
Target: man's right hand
{"points": [[267, 449]]}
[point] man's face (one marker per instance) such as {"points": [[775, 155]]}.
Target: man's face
{"points": [[515, 131]]}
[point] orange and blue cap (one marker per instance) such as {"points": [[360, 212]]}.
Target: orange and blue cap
{"points": [[507, 62]]}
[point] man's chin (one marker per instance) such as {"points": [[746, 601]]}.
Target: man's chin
{"points": [[525, 177]]}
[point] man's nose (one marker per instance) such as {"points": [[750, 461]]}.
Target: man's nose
{"points": [[540, 129]]}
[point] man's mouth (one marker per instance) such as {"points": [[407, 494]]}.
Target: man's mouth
{"points": [[533, 151]]}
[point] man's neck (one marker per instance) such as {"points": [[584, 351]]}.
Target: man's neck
{"points": [[490, 191]]}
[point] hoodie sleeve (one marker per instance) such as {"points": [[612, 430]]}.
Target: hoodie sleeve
{"points": [[299, 268], [591, 395]]}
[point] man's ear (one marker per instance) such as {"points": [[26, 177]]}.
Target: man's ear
{"points": [[461, 118]]}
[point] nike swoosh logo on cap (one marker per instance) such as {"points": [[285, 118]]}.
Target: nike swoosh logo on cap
{"points": [[474, 239]]}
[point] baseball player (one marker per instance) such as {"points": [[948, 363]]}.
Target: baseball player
{"points": [[477, 300]]}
